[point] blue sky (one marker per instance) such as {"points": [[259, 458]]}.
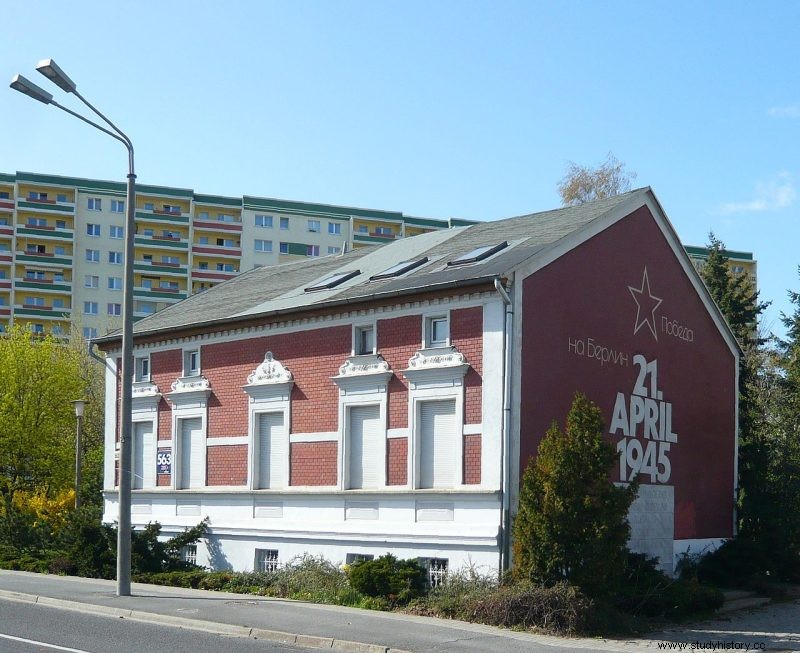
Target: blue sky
{"points": [[467, 109]]}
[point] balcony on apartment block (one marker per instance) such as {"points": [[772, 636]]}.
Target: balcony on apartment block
{"points": [[6, 205], [162, 241], [46, 205], [161, 293], [213, 274], [6, 230], [213, 249], [47, 231], [211, 224], [161, 214], [44, 311], [46, 285], [43, 257], [149, 266]]}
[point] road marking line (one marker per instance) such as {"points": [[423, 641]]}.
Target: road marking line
{"points": [[53, 646]]}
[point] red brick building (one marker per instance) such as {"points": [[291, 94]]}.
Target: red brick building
{"points": [[389, 398]]}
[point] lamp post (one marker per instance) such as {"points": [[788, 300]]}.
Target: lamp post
{"points": [[49, 69], [79, 404]]}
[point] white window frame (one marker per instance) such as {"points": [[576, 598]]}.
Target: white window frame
{"points": [[187, 354], [92, 255], [114, 305], [94, 204], [116, 229], [191, 404], [266, 245], [114, 258], [93, 229], [335, 228], [314, 226], [263, 220], [357, 330], [361, 390], [376, 397], [427, 330], [90, 305], [272, 395], [283, 223], [142, 368], [435, 384], [115, 283], [118, 206]]}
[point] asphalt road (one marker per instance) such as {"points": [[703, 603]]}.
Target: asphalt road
{"points": [[31, 628]]}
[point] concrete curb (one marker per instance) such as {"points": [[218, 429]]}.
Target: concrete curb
{"points": [[311, 641]]}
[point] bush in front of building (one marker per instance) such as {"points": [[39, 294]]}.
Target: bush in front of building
{"points": [[572, 521], [648, 592], [386, 577]]}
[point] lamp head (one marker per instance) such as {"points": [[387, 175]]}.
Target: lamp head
{"points": [[79, 404], [27, 87], [50, 69]]}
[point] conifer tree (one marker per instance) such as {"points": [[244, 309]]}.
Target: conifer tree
{"points": [[739, 303], [572, 521]]}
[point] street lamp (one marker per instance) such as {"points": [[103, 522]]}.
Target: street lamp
{"points": [[49, 69], [79, 404]]}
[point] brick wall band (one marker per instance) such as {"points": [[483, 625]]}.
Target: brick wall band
{"points": [[472, 459], [396, 461], [466, 333], [313, 463], [227, 465]]}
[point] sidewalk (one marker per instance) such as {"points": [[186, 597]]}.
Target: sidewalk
{"points": [[366, 631]]}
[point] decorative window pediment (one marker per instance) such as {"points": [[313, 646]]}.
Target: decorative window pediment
{"points": [[145, 396], [437, 364], [270, 381], [361, 373], [269, 371], [189, 389]]}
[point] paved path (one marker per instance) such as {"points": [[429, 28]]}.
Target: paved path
{"points": [[777, 627]]}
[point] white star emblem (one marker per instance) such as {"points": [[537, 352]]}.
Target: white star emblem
{"points": [[646, 303]]}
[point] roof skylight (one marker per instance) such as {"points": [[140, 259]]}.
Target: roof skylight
{"points": [[399, 268], [478, 254], [333, 280]]}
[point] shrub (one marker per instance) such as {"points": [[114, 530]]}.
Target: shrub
{"points": [[561, 608], [190, 579], [646, 591], [572, 521], [737, 563], [397, 581]]}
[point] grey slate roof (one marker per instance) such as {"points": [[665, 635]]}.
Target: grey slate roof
{"points": [[281, 289]]}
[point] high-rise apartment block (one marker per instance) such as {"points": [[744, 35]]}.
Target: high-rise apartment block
{"points": [[738, 262], [62, 243]]}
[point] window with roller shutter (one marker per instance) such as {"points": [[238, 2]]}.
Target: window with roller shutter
{"points": [[437, 443]]}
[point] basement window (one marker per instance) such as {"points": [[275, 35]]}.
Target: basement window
{"points": [[478, 254], [189, 554], [266, 560], [333, 280], [437, 570], [400, 268], [355, 558]]}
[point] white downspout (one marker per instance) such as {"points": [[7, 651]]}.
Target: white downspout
{"points": [[505, 462]]}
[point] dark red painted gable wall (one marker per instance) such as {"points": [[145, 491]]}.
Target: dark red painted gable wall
{"points": [[579, 317]]}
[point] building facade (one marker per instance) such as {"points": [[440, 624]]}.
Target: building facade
{"points": [[390, 398], [738, 262], [62, 243]]}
